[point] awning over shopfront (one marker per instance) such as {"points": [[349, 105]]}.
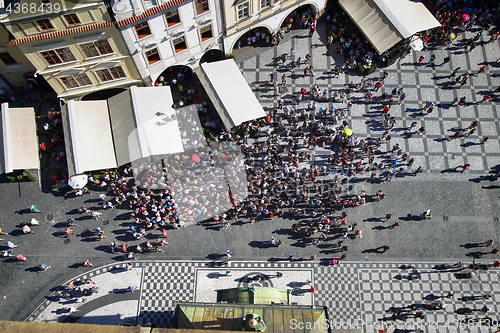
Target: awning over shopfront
{"points": [[136, 123], [87, 130], [144, 123], [230, 93], [386, 22], [18, 139]]}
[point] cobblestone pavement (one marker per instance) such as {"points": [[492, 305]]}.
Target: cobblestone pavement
{"points": [[420, 82], [367, 294], [465, 210]]}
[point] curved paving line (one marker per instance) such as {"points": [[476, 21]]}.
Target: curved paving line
{"points": [[100, 302]]}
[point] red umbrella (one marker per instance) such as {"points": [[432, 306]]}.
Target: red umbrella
{"points": [[195, 158]]}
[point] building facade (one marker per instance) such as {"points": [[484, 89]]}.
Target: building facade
{"points": [[16, 70], [241, 16], [75, 45], [162, 33]]}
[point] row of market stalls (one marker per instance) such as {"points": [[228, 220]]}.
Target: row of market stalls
{"points": [[137, 123], [386, 23], [141, 122]]}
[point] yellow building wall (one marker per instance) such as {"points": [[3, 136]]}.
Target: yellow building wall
{"points": [[14, 73], [31, 42]]}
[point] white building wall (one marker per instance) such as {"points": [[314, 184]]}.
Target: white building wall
{"points": [[162, 36], [273, 23]]}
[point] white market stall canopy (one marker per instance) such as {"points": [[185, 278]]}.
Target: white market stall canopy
{"points": [[18, 140], [386, 22], [136, 123], [230, 93], [144, 123], [87, 130]]}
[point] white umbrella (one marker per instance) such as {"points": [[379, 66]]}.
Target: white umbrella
{"points": [[78, 181], [417, 44]]}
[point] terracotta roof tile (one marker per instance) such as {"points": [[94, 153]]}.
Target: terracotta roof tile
{"points": [[150, 12], [56, 34]]}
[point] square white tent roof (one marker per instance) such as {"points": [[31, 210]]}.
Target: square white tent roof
{"points": [[136, 123], [386, 22], [87, 129], [18, 139], [144, 123], [230, 93]]}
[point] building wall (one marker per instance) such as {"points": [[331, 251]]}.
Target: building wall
{"points": [[83, 73], [162, 36], [270, 17], [12, 75]]}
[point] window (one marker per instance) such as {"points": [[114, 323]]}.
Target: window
{"points": [[264, 4], [97, 48], [45, 25], [172, 17], [142, 30], [201, 6], [58, 56], [153, 56], [110, 74], [206, 32], [72, 19], [7, 58], [75, 81], [179, 44], [243, 11]]}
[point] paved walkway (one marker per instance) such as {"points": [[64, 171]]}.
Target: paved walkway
{"points": [[365, 293], [465, 207], [420, 82]]}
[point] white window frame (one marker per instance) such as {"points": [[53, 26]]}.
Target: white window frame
{"points": [[94, 42], [264, 4], [157, 52], [185, 41], [178, 13], [241, 8], [55, 49], [211, 29], [113, 80], [73, 75]]}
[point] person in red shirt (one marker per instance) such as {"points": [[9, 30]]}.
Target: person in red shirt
{"points": [[485, 98], [378, 85], [464, 167], [481, 69]]}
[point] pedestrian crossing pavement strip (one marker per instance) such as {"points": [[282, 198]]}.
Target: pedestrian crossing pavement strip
{"points": [[354, 291]]}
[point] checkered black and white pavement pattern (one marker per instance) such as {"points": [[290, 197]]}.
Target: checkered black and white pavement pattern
{"points": [[163, 284], [354, 291], [421, 82]]}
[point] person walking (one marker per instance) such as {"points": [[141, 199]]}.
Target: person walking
{"points": [[445, 61], [312, 29], [455, 71], [419, 170], [481, 70], [43, 267], [387, 217], [483, 141], [385, 248], [464, 167], [485, 98], [432, 59], [462, 101], [378, 85], [420, 59]]}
